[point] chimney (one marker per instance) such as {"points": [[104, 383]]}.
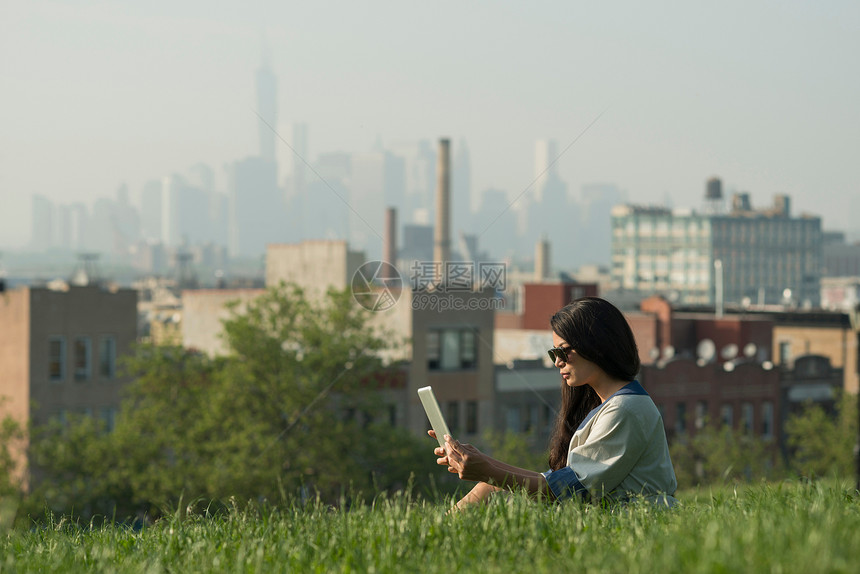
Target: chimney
{"points": [[389, 249], [442, 239], [542, 260]]}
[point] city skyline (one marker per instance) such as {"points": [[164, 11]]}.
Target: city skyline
{"points": [[97, 96]]}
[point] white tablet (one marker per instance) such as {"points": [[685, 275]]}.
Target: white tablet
{"points": [[431, 407]]}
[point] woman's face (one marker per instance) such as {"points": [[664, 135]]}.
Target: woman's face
{"points": [[576, 371]]}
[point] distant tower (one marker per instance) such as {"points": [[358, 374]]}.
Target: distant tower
{"points": [[299, 154], [43, 223], [389, 254], [714, 196], [442, 232], [545, 155], [461, 189], [267, 107], [542, 260], [170, 209]]}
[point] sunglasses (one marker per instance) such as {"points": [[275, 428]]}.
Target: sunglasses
{"points": [[557, 353]]}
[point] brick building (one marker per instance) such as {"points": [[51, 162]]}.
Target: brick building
{"points": [[745, 396]]}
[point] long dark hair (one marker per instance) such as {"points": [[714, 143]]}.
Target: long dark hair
{"points": [[599, 333]]}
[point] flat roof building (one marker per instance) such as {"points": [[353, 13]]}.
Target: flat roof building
{"points": [[59, 349], [744, 256]]}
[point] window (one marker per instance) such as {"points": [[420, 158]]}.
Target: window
{"points": [[467, 353], [513, 419], [451, 349], [726, 416], [680, 418], [107, 357], [433, 350], [83, 353], [472, 417], [767, 419], [547, 418], [56, 358], [701, 414], [747, 417], [532, 418], [452, 417], [784, 352], [108, 415]]}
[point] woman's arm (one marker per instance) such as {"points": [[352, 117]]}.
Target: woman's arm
{"points": [[478, 495], [471, 464]]}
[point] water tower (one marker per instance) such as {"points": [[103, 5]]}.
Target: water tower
{"points": [[714, 196]]}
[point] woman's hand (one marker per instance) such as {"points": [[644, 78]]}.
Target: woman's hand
{"points": [[440, 452], [471, 464], [463, 459]]}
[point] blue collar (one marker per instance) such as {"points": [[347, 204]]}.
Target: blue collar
{"points": [[632, 388]]}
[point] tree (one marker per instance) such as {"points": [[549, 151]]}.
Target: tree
{"points": [[723, 455], [11, 438], [272, 418], [822, 443], [516, 449]]}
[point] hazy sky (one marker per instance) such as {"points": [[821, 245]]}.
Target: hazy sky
{"points": [[765, 95]]}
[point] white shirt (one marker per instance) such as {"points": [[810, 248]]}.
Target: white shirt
{"points": [[619, 450]]}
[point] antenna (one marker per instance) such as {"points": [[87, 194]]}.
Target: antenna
{"points": [[706, 350], [729, 352]]}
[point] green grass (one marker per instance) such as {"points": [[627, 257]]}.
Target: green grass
{"points": [[786, 527]]}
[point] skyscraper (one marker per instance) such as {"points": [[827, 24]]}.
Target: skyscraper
{"points": [[256, 207], [267, 107], [547, 212], [43, 223], [546, 152], [185, 212], [257, 204], [377, 180], [595, 210], [150, 210], [420, 174], [299, 155]]}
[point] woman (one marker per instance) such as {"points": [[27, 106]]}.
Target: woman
{"points": [[609, 441]]}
